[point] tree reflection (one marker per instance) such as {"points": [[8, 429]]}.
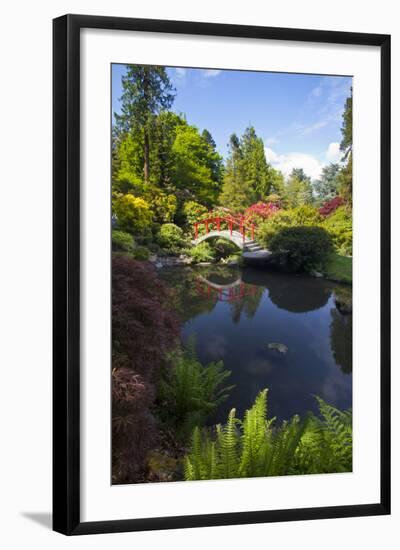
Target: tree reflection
{"points": [[341, 329], [187, 302], [291, 293], [198, 290]]}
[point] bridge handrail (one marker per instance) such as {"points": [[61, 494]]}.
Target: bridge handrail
{"points": [[231, 221]]}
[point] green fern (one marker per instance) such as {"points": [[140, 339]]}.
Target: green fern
{"points": [[189, 391], [228, 441], [328, 443], [256, 447]]}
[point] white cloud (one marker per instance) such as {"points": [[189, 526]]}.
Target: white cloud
{"points": [[286, 162], [209, 73], [333, 154]]}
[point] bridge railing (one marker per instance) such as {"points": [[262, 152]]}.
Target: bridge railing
{"points": [[232, 222]]}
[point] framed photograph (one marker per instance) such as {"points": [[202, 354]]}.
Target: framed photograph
{"points": [[221, 274]]}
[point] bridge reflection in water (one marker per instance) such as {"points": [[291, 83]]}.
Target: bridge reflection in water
{"points": [[230, 292]]}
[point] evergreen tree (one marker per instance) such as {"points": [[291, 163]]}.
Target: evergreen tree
{"points": [[326, 187], [162, 157], [214, 159], [209, 139], [237, 191], [276, 183], [300, 175], [298, 189], [255, 164], [346, 146], [147, 91]]}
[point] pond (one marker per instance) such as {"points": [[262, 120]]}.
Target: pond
{"points": [[274, 330]]}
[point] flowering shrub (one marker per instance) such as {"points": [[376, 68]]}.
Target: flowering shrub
{"points": [[330, 206], [260, 211]]}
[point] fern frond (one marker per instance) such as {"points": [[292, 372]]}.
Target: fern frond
{"points": [[257, 447]]}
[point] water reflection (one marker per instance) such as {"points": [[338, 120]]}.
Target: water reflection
{"points": [[228, 292], [341, 340], [235, 314]]}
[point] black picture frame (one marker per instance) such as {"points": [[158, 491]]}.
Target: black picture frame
{"points": [[66, 273]]}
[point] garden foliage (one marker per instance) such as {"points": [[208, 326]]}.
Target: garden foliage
{"points": [[203, 252], [171, 237], [141, 253], [339, 225], [260, 211], [189, 391], [122, 241], [303, 248], [257, 446], [193, 212], [330, 206], [133, 213], [144, 331], [305, 215]]}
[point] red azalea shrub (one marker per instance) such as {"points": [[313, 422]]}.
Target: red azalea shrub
{"points": [[144, 330], [330, 206], [260, 211]]}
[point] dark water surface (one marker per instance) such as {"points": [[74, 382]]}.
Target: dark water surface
{"points": [[235, 313]]}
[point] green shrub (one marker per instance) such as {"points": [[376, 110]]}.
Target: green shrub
{"points": [[133, 213], [194, 211], [163, 205], [141, 253], [224, 248], [304, 248], [170, 237], [234, 259], [203, 252], [305, 215], [255, 447], [339, 226], [122, 241], [189, 391]]}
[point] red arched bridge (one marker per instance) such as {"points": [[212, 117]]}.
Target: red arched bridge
{"points": [[226, 226]]}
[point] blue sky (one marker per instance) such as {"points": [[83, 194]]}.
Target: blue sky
{"points": [[298, 116]]}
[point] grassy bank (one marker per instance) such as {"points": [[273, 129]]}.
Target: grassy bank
{"points": [[338, 268]]}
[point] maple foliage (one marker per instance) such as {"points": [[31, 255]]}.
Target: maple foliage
{"points": [[144, 331]]}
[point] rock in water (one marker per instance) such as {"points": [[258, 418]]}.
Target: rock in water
{"points": [[280, 348]]}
